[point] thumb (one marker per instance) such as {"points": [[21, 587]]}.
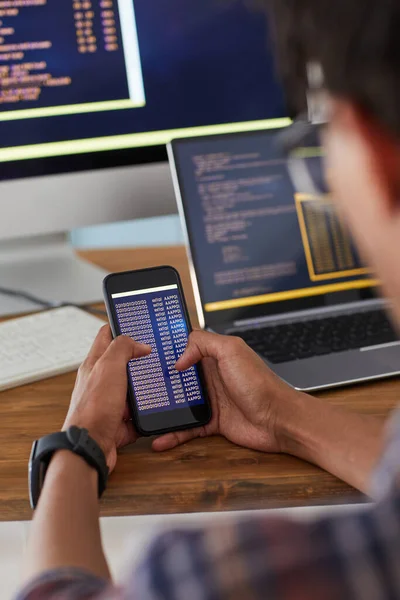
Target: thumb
{"points": [[202, 344], [172, 440]]}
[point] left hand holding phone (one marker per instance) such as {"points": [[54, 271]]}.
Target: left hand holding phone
{"points": [[98, 401]]}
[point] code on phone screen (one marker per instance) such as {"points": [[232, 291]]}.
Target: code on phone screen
{"points": [[155, 316]]}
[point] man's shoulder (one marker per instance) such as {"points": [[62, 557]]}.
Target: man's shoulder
{"points": [[386, 479]]}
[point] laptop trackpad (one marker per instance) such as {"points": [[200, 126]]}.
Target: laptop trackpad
{"points": [[341, 369]]}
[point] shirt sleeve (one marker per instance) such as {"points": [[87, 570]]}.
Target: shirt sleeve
{"points": [[68, 584], [386, 478], [352, 557]]}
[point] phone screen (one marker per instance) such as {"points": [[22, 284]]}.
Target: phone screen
{"points": [[156, 316]]}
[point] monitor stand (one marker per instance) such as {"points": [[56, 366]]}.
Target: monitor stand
{"points": [[48, 268]]}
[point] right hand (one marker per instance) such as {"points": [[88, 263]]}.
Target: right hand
{"points": [[247, 398]]}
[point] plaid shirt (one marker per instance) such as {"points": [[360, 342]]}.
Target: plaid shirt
{"points": [[347, 557]]}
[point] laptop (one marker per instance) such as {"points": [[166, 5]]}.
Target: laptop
{"points": [[278, 268]]}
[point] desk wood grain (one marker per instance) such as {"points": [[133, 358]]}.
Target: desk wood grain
{"points": [[204, 475]]}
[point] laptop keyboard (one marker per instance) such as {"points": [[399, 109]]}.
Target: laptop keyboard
{"points": [[296, 341]]}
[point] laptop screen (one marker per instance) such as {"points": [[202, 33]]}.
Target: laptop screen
{"points": [[254, 241]]}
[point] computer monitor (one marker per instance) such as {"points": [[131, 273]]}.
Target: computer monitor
{"points": [[90, 93]]}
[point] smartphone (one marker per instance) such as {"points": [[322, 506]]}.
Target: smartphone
{"points": [[150, 307]]}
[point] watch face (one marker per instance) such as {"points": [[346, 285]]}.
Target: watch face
{"points": [[37, 471]]}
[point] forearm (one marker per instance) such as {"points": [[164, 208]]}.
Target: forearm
{"points": [[344, 443], [65, 531]]}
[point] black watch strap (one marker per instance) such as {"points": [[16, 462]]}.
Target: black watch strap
{"points": [[75, 440]]}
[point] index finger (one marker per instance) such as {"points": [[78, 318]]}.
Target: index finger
{"points": [[100, 345], [123, 349]]}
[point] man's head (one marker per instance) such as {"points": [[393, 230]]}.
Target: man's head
{"points": [[357, 43]]}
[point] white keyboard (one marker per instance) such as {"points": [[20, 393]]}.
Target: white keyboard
{"points": [[44, 345]]}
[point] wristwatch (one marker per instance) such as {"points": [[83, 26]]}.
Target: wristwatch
{"points": [[77, 441]]}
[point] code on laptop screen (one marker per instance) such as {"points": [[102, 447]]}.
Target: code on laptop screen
{"points": [[253, 238]]}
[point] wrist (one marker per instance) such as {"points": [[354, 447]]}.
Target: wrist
{"points": [[74, 442], [91, 427], [65, 464], [294, 425]]}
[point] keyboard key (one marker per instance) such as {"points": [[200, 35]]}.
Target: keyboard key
{"points": [[277, 358], [320, 337], [44, 344]]}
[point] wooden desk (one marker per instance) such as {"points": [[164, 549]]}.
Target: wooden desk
{"points": [[204, 475]]}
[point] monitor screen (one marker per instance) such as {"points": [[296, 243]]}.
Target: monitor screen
{"points": [[80, 77], [254, 240]]}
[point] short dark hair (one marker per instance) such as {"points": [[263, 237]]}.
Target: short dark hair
{"points": [[357, 43]]}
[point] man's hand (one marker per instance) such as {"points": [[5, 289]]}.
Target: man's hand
{"points": [[246, 396], [252, 407], [99, 399]]}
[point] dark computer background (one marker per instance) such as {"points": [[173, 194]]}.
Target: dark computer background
{"points": [[204, 62]]}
